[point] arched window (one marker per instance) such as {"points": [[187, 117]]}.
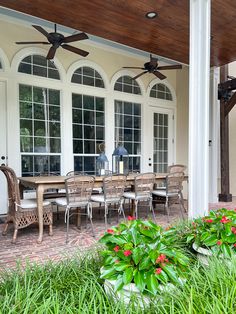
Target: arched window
{"points": [[40, 119], [87, 76], [88, 119], [40, 66], [128, 121], [125, 84], [161, 91]]}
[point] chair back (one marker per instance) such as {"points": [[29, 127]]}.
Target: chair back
{"points": [[176, 168], [174, 183], [13, 187], [143, 183], [113, 186], [79, 189], [76, 173]]}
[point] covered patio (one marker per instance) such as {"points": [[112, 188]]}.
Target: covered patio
{"points": [[166, 36]]}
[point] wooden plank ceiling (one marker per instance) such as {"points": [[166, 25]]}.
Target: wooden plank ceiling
{"points": [[124, 21]]}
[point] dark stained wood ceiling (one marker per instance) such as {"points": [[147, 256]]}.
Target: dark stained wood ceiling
{"points": [[124, 21]]}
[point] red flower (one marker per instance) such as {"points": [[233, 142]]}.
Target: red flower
{"points": [[233, 229], [110, 231], [116, 248], [209, 220], [224, 220], [127, 253], [219, 242], [158, 271], [234, 244], [161, 259], [131, 218]]}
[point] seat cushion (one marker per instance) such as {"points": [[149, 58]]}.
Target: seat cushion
{"points": [[31, 203], [98, 198], [163, 193], [130, 195], [61, 201]]}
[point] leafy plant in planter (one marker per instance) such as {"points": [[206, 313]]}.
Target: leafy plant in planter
{"points": [[140, 252], [216, 232]]}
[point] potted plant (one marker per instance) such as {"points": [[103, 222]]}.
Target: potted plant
{"points": [[140, 257], [213, 234]]}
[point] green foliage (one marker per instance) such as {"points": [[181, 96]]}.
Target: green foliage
{"points": [[217, 231], [142, 253]]}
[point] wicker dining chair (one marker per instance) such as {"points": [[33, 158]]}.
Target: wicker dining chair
{"points": [[172, 193], [113, 190], [78, 194], [22, 212], [143, 186]]}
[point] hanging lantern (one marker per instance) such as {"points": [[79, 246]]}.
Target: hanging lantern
{"points": [[102, 163], [120, 160]]}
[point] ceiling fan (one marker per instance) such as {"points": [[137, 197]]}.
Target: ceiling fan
{"points": [[152, 67], [57, 40]]}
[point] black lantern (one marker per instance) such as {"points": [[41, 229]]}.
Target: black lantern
{"points": [[120, 160], [102, 163]]}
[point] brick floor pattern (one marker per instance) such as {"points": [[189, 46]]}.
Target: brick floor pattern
{"points": [[54, 247]]}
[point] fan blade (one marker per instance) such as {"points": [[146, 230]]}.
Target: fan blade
{"points": [[75, 37], [32, 42], [75, 50], [41, 30], [159, 75], [133, 68], [134, 78], [51, 52], [170, 67]]}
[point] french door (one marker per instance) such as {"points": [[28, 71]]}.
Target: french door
{"points": [[162, 136], [3, 147]]}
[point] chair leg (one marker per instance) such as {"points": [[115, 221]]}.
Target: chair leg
{"points": [[50, 230], [167, 209], [106, 212], [67, 217], [14, 235], [4, 232], [181, 202], [89, 214], [152, 210], [136, 209]]}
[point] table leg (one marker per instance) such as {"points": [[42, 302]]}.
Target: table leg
{"points": [[39, 191]]}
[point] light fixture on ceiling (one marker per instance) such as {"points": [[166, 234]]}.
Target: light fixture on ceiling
{"points": [[151, 15]]}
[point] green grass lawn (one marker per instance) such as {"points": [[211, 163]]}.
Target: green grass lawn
{"points": [[74, 286]]}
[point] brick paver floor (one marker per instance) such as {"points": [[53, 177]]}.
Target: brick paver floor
{"points": [[54, 248]]}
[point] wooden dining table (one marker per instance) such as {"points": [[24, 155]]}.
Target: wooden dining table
{"points": [[41, 184]]}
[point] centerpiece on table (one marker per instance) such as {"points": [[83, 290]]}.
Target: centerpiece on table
{"points": [[213, 234], [141, 258]]}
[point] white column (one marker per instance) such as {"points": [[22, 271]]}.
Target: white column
{"points": [[199, 107], [214, 136]]}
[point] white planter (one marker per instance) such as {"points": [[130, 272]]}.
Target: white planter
{"points": [[126, 293], [202, 254]]}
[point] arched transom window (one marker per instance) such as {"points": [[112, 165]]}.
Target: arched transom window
{"points": [[40, 66], [125, 84], [87, 76], [161, 91]]}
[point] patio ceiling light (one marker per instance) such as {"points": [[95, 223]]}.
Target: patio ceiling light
{"points": [[151, 15]]}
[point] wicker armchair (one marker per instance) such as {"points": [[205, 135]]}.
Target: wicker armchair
{"points": [[143, 186], [113, 190], [22, 212]]}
